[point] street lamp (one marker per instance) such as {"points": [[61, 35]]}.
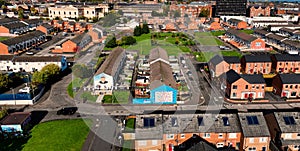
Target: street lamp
{"points": [[14, 95]]}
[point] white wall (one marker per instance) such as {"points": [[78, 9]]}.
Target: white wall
{"points": [[27, 66]]}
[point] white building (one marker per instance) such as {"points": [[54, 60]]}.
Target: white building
{"points": [[30, 64]]}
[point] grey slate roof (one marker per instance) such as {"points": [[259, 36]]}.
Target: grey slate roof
{"points": [[261, 31], [286, 57], [215, 60], [241, 35], [47, 26], [8, 20], [157, 53], [284, 128], [290, 78], [276, 37], [232, 76], [145, 133], [233, 20], [15, 118], [231, 59], [255, 130], [253, 78], [257, 58], [15, 25], [79, 38], [19, 39]]}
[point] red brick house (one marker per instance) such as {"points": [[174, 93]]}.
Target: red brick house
{"points": [[45, 28], [256, 11], [286, 63], [287, 85], [244, 86], [255, 64], [219, 65], [74, 45], [237, 24]]}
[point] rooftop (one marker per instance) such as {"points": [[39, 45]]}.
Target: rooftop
{"points": [[257, 58], [22, 38], [79, 38], [231, 59], [289, 122], [254, 124], [158, 53], [253, 78], [276, 37], [15, 25], [149, 127], [109, 65], [241, 35], [289, 78], [161, 73], [15, 118], [287, 57], [261, 31]]}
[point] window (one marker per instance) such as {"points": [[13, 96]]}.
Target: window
{"points": [[232, 135], [259, 94], [280, 63], [298, 135], [253, 86], [154, 142], [69, 13], [252, 149], [226, 121], [289, 120], [293, 93], [174, 122], [286, 86], [142, 143], [252, 120], [220, 135], [296, 86], [170, 136], [291, 86], [234, 87], [258, 44], [206, 135], [74, 13], [220, 145], [268, 65], [149, 122], [262, 87], [182, 136], [288, 135], [233, 94], [200, 121], [87, 12], [246, 87], [263, 139], [64, 13], [251, 140]]}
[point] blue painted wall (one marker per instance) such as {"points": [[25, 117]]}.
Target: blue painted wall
{"points": [[160, 95]]}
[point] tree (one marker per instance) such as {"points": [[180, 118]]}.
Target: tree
{"points": [[120, 12], [110, 20], [81, 71], [20, 13], [137, 31], [128, 40], [112, 43], [145, 29], [48, 74], [155, 14], [4, 81], [204, 13]]}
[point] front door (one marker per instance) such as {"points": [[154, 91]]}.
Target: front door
{"points": [[246, 95]]}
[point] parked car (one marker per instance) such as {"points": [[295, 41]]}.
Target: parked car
{"points": [[67, 111], [25, 90], [29, 53], [38, 48]]}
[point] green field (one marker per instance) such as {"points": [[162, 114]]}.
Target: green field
{"points": [[89, 97], [77, 82], [129, 126], [3, 38], [209, 41], [231, 53], [128, 145], [118, 97], [206, 56], [58, 135]]}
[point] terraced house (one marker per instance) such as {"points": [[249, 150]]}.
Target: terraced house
{"points": [[285, 63], [219, 66], [22, 43], [284, 128], [244, 86], [287, 85], [14, 28], [255, 64]]}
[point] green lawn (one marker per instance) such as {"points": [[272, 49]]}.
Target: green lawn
{"points": [[184, 49], [218, 33], [209, 41], [128, 145], [3, 38], [58, 135], [89, 96], [118, 97], [231, 53], [142, 37], [129, 125], [247, 31], [200, 34], [77, 82]]}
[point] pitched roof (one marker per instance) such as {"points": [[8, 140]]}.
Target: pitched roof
{"points": [[15, 25], [253, 78], [47, 26], [232, 76], [241, 35], [157, 53], [287, 30], [289, 78], [257, 58], [8, 20], [15, 118], [231, 59], [32, 21], [79, 38], [109, 66], [261, 31], [292, 43], [19, 39], [287, 125], [215, 60], [161, 73], [257, 128], [233, 20], [286, 57], [276, 37]]}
